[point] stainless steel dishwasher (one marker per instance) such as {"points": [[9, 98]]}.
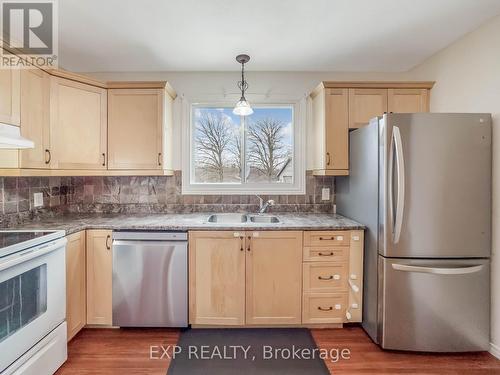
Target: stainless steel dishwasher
{"points": [[150, 279]]}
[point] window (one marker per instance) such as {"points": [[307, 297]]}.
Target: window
{"points": [[243, 155]]}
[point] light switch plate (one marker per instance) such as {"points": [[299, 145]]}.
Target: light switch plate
{"points": [[38, 199], [325, 194]]}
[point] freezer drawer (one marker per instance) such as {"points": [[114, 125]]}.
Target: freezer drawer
{"points": [[434, 305]]}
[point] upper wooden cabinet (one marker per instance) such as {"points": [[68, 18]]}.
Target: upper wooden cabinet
{"points": [[217, 278], [99, 277], [407, 100], [35, 121], [10, 87], [331, 106], [273, 277], [139, 123], [78, 117], [340, 106], [365, 104]]}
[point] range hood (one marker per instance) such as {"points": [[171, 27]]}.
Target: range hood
{"points": [[10, 137]]}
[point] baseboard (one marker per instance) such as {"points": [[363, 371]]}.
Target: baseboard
{"points": [[495, 350]]}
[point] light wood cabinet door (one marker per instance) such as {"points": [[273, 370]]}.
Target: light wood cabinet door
{"points": [[78, 117], [273, 277], [135, 128], [76, 293], [408, 100], [365, 104], [35, 121], [10, 88], [337, 128], [99, 277], [217, 278]]}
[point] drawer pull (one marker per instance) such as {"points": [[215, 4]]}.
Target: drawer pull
{"points": [[327, 238], [325, 278], [323, 309], [325, 254]]}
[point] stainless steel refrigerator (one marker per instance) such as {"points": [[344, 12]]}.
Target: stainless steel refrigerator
{"points": [[421, 183]]}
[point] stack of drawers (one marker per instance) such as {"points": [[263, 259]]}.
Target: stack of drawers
{"points": [[332, 277]]}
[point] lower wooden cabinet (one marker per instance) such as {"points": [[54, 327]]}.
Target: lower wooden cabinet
{"points": [[238, 278], [333, 277], [76, 293], [273, 277], [99, 277], [217, 278]]}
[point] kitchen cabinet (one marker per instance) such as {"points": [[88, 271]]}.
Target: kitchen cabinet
{"points": [[365, 104], [217, 278], [407, 100], [35, 121], [338, 107], [10, 88], [139, 125], [331, 127], [99, 277], [273, 277], [78, 118], [333, 277], [238, 278], [76, 293]]}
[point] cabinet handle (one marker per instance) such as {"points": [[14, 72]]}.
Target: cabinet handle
{"points": [[325, 254], [325, 278], [248, 247], [241, 243], [327, 238], [159, 158], [323, 309], [108, 246], [103, 159], [327, 158], [47, 153]]}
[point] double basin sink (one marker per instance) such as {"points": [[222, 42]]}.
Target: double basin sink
{"points": [[243, 218]]}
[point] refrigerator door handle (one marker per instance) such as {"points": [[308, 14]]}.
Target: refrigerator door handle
{"points": [[400, 163], [437, 270]]}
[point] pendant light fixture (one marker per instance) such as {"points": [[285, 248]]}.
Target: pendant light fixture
{"points": [[243, 108]]}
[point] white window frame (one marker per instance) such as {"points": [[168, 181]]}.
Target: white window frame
{"points": [[299, 154]]}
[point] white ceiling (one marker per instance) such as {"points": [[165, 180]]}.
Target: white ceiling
{"points": [[291, 35]]}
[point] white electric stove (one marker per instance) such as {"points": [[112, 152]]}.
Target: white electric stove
{"points": [[32, 302]]}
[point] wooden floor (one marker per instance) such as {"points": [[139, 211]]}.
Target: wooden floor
{"points": [[127, 351]]}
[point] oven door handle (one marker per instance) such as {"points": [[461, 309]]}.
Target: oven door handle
{"points": [[34, 252]]}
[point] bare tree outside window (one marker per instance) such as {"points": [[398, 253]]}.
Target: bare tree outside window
{"points": [[264, 155], [267, 150], [235, 151], [213, 140]]}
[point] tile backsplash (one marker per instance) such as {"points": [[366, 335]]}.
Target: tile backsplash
{"points": [[142, 194], [16, 196]]}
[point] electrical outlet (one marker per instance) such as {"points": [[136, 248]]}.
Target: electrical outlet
{"points": [[38, 199], [325, 194]]}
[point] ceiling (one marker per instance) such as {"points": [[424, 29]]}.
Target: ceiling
{"points": [[292, 35]]}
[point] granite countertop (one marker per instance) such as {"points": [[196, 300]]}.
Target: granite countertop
{"points": [[72, 223]]}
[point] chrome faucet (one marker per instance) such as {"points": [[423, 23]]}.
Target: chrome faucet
{"points": [[264, 206]]}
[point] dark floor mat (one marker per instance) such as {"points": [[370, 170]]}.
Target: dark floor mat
{"points": [[222, 351]]}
